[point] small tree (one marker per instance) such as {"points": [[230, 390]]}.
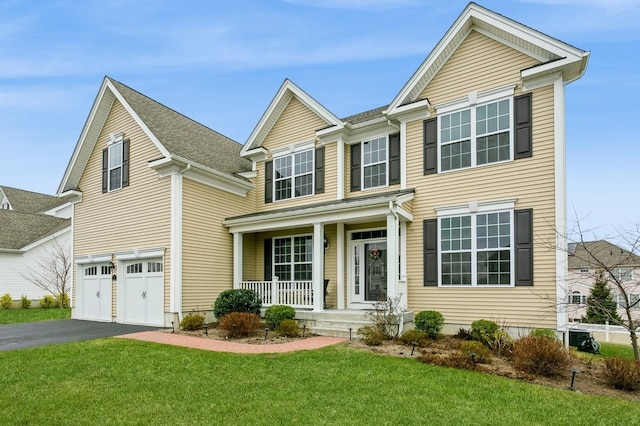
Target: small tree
{"points": [[601, 308], [53, 272]]}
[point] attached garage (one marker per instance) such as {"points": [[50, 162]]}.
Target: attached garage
{"points": [[94, 296], [143, 292]]}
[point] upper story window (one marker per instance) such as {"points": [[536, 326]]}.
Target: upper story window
{"points": [[623, 274], [476, 135], [4, 205], [293, 175], [374, 162], [634, 301], [115, 163]]}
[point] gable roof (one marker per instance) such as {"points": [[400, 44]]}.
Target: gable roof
{"points": [[20, 229], [287, 91], [555, 56], [30, 202], [175, 135], [581, 255]]}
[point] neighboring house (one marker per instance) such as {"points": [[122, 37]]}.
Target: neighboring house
{"points": [[31, 224], [433, 199], [583, 270]]}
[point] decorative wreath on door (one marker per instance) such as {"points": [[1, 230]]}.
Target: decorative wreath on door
{"points": [[375, 253]]}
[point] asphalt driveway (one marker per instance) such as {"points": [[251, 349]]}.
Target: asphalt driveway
{"points": [[32, 334]]}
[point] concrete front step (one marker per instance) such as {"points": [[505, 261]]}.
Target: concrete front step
{"points": [[336, 323]]}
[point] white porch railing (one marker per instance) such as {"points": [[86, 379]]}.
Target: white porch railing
{"points": [[297, 294]]}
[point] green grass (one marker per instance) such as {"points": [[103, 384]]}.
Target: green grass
{"points": [[117, 381], [614, 349], [13, 316]]}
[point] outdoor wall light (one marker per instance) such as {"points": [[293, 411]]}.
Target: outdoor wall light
{"points": [[326, 242], [113, 271]]}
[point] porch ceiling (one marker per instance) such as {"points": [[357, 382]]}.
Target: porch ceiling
{"points": [[350, 210]]}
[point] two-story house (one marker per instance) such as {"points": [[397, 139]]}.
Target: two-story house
{"points": [[441, 198]]}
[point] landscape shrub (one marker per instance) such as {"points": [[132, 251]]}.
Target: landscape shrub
{"points": [[47, 302], [25, 302], [239, 324], [431, 322], [545, 332], [288, 328], [61, 301], [275, 314], [237, 300], [482, 330], [463, 334], [540, 355], [500, 342], [622, 373], [482, 354], [454, 360], [386, 316], [414, 335], [192, 322], [372, 335], [6, 301]]}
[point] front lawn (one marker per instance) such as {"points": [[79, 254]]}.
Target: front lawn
{"points": [[615, 349], [13, 316], [113, 381]]}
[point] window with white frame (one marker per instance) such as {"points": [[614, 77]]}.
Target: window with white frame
{"points": [[578, 298], [293, 175], [374, 162], [634, 301], [5, 204], [623, 274], [293, 258], [476, 249], [115, 166], [476, 135]]}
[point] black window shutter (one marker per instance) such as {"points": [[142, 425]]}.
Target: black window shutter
{"points": [[524, 247], [522, 123], [430, 245], [268, 255], [105, 170], [355, 167], [268, 182], [125, 162], [319, 177], [430, 146], [394, 159]]}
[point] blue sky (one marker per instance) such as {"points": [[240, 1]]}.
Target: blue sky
{"points": [[221, 63]]}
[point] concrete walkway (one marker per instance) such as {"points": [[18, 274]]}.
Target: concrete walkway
{"points": [[234, 347]]}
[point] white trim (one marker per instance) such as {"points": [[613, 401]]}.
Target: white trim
{"points": [[372, 164], [293, 148], [340, 245], [536, 83], [237, 258], [475, 98], [340, 169], [93, 258], [175, 277], [403, 155], [45, 239], [560, 176], [317, 266], [308, 147], [138, 254], [476, 206]]}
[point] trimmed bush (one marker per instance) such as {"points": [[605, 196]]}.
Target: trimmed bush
{"points": [[61, 301], [414, 335], [239, 324], [545, 332], [482, 330], [47, 302], [237, 300], [622, 373], [540, 355], [25, 302], [481, 353], [6, 301], [288, 328], [463, 334], [372, 335], [431, 322], [192, 322], [275, 314]]}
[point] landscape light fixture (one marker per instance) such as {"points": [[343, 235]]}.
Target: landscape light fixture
{"points": [[414, 347], [574, 371], [266, 333]]}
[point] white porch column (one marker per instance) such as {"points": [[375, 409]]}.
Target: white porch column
{"points": [[340, 263], [237, 259], [392, 256], [318, 266], [340, 180], [403, 287]]}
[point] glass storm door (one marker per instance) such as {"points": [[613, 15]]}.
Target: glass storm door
{"points": [[368, 271]]}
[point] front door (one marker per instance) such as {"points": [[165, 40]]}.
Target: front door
{"points": [[368, 271]]}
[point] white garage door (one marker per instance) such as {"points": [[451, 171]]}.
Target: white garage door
{"points": [[95, 292], [144, 292]]}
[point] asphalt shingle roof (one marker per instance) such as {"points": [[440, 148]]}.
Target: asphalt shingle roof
{"points": [[184, 137], [606, 252], [366, 115], [20, 229], [30, 202]]}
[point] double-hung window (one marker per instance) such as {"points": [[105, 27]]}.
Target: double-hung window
{"points": [[477, 135], [293, 175], [374, 162], [623, 274], [578, 298], [476, 249], [293, 257], [634, 301], [115, 166]]}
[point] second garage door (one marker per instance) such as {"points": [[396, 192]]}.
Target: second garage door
{"points": [[144, 292]]}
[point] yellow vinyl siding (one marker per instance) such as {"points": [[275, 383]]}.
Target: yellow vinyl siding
{"points": [[479, 64], [134, 217], [297, 124], [482, 64], [362, 192], [207, 253]]}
